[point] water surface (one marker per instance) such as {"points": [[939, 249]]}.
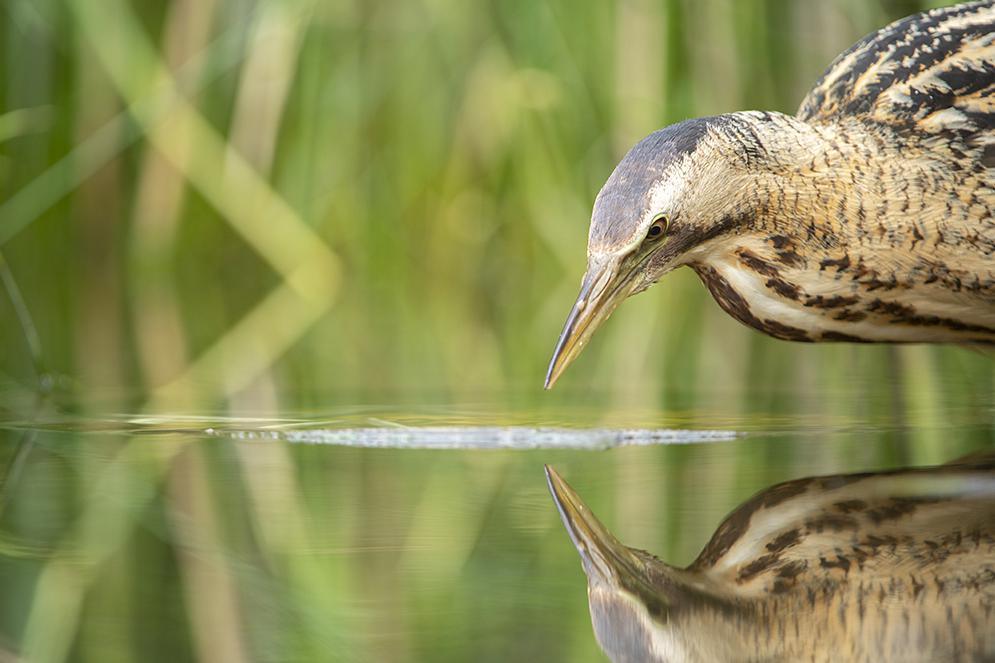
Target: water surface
{"points": [[370, 533]]}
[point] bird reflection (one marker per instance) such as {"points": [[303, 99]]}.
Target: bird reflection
{"points": [[882, 566]]}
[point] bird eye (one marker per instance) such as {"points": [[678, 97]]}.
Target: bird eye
{"points": [[659, 227]]}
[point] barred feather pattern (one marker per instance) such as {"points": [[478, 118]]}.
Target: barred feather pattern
{"points": [[931, 73], [892, 566], [885, 566], [872, 217]]}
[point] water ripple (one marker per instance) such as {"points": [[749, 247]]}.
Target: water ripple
{"points": [[482, 437]]}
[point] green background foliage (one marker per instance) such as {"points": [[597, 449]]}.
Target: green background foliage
{"points": [[227, 207]]}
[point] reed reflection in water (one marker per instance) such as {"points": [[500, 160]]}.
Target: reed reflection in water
{"points": [[886, 566], [280, 537]]}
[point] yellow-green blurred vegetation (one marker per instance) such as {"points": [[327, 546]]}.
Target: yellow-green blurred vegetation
{"points": [[306, 206]]}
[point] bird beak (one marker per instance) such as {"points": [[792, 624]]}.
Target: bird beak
{"points": [[600, 292], [604, 558]]}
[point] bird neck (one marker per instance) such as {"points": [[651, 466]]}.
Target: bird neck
{"points": [[660, 613], [863, 194], [820, 182], [847, 185], [852, 232]]}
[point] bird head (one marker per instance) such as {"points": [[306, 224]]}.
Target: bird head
{"points": [[605, 560], [675, 193], [620, 620], [633, 597]]}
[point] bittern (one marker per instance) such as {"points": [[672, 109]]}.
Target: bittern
{"points": [[866, 217], [886, 566]]}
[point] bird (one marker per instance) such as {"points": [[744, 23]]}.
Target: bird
{"points": [[865, 217], [880, 566]]}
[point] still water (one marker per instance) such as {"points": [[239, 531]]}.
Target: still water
{"points": [[378, 534]]}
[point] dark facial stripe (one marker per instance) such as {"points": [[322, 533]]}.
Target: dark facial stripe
{"points": [[683, 236]]}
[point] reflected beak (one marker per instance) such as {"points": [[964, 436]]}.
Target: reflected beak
{"points": [[600, 292], [604, 558]]}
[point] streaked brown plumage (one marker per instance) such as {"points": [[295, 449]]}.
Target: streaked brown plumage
{"points": [[888, 566], [866, 217]]}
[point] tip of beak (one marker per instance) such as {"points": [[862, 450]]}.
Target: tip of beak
{"points": [[599, 294], [555, 483], [557, 363], [550, 473], [549, 382], [567, 502]]}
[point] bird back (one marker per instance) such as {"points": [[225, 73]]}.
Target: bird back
{"points": [[929, 73]]}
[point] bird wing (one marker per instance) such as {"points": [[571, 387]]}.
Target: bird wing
{"points": [[931, 73]]}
